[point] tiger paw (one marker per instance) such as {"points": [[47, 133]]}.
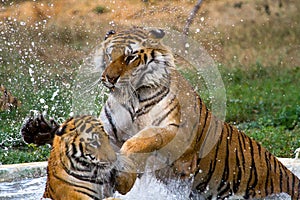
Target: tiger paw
{"points": [[38, 130], [128, 148], [141, 145]]}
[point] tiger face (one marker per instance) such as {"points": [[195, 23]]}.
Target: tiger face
{"points": [[131, 40], [83, 164], [87, 144], [143, 68]]}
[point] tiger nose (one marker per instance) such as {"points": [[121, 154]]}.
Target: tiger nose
{"points": [[112, 80]]}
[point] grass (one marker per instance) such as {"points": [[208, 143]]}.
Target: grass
{"points": [[263, 103], [38, 63]]}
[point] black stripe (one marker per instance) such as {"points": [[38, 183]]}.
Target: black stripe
{"points": [[51, 192], [237, 181], [226, 164], [80, 122], [259, 149], [82, 128], [200, 107], [280, 176], [110, 120], [73, 183], [293, 185], [251, 184], [212, 166], [160, 119], [288, 179], [163, 91], [226, 189], [203, 126], [270, 168], [89, 129], [145, 58], [74, 149], [152, 53], [243, 139], [274, 164], [272, 186], [90, 195], [129, 107], [241, 149], [267, 175], [170, 110], [173, 124], [92, 178], [225, 175], [230, 131], [81, 149], [146, 108]]}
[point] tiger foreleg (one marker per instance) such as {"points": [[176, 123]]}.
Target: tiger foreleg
{"points": [[38, 130], [148, 140], [124, 181], [145, 145]]}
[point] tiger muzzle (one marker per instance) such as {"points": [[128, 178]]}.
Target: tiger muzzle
{"points": [[109, 82]]}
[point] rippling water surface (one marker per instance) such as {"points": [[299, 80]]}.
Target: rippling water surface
{"points": [[31, 189], [146, 188]]}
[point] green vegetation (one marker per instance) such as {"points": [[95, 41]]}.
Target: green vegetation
{"points": [[265, 102], [39, 92]]}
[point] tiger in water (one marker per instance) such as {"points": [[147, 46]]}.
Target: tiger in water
{"points": [[82, 163], [153, 112], [7, 100]]}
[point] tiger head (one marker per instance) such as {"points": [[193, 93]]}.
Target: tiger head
{"points": [[146, 67], [136, 63], [86, 145], [117, 43]]}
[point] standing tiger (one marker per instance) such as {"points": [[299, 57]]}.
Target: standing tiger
{"points": [[7, 100], [153, 114], [82, 163], [153, 109]]}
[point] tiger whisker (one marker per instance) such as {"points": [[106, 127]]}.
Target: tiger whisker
{"points": [[90, 87]]}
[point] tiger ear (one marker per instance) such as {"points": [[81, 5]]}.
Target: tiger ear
{"points": [[156, 33], [66, 127]]}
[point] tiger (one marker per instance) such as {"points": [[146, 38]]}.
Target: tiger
{"points": [[153, 114], [7, 100], [148, 109], [82, 163]]}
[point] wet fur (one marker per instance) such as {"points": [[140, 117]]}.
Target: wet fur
{"points": [[82, 164], [235, 165]]}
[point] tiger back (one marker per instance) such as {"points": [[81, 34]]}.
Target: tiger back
{"points": [[82, 163], [147, 89]]}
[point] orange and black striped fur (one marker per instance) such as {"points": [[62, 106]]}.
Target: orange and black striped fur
{"points": [[82, 163], [7, 100], [152, 110]]}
